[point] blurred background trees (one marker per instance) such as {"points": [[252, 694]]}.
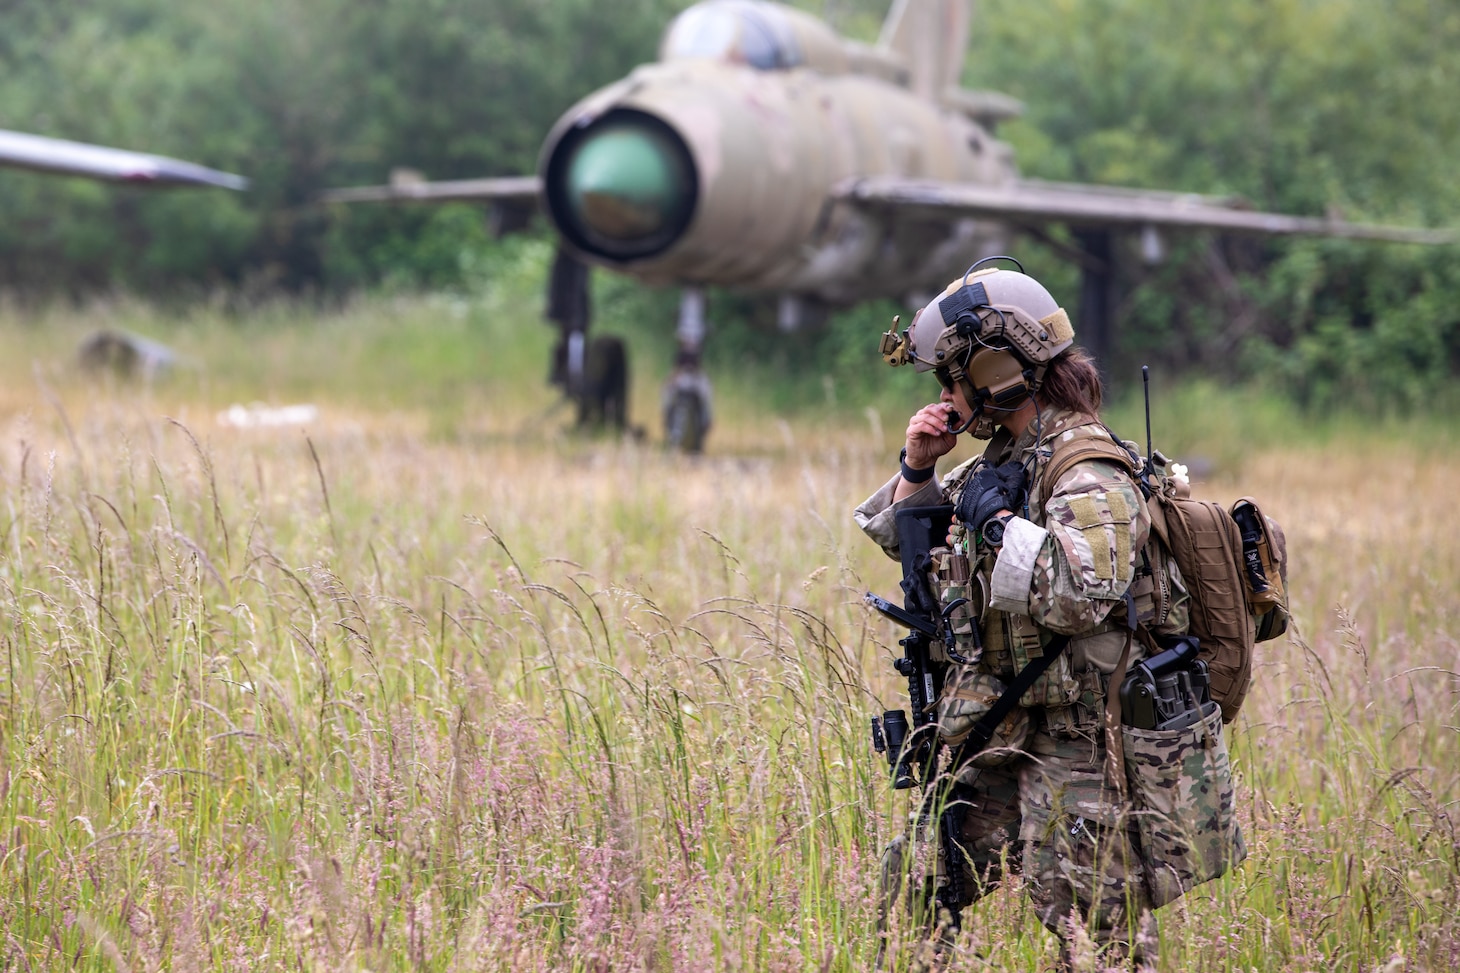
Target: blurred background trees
{"points": [[1298, 106], [298, 95], [1295, 105]]}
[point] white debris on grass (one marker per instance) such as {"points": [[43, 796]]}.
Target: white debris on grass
{"points": [[260, 416]]}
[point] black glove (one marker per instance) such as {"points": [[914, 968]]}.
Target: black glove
{"points": [[991, 489]]}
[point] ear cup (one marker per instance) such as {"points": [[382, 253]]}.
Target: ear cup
{"points": [[998, 376]]}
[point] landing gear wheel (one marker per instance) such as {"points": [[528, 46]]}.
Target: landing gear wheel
{"points": [[685, 421]]}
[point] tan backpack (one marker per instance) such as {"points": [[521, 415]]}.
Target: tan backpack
{"points": [[1236, 575]]}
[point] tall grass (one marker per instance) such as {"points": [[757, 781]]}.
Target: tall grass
{"points": [[434, 684]]}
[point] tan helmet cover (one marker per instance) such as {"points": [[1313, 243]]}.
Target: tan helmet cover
{"points": [[970, 695], [1001, 309]]}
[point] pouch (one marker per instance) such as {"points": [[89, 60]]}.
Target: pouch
{"points": [[1269, 551], [1056, 686], [1184, 805], [1085, 717], [953, 582], [967, 698]]}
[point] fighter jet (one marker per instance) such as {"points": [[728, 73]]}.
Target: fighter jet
{"points": [[115, 165], [765, 153]]}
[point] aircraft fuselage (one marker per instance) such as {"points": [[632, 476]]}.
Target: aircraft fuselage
{"points": [[711, 173]]}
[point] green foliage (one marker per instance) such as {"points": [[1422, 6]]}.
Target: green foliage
{"points": [[299, 95], [1301, 106], [441, 252], [1298, 106], [1374, 330]]}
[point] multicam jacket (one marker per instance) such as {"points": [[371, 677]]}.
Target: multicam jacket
{"points": [[1063, 568]]}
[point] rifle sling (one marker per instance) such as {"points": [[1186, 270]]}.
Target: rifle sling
{"points": [[983, 730]]}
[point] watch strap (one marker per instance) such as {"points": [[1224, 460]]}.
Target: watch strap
{"points": [[915, 476]]}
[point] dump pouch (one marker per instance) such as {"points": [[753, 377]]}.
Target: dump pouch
{"points": [[1184, 805]]}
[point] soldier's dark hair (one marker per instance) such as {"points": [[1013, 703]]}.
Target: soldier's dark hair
{"points": [[1072, 382]]}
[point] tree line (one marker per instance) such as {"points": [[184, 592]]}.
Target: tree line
{"points": [[298, 95], [1300, 106]]}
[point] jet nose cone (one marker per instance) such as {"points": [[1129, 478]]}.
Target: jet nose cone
{"points": [[622, 188], [623, 184]]}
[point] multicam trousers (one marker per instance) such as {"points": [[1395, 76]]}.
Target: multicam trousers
{"points": [[1095, 865], [1055, 818]]}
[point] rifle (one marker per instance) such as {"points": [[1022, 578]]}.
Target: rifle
{"points": [[919, 530]]}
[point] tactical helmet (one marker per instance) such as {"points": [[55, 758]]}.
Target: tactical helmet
{"points": [[995, 331], [965, 702]]}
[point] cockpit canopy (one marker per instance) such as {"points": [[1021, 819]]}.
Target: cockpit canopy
{"points": [[762, 35]]}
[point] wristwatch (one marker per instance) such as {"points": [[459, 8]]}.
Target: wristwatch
{"points": [[993, 529]]}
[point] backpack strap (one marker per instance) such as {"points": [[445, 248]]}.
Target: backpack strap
{"points": [[1114, 739], [1084, 444]]}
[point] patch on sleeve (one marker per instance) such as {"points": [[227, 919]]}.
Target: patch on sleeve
{"points": [[1094, 533]]}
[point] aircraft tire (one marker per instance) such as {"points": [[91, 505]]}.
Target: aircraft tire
{"points": [[684, 422]]}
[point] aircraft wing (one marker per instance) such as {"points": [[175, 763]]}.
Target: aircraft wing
{"points": [[510, 190], [1032, 201], [98, 162]]}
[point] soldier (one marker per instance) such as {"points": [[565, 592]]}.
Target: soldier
{"points": [[1048, 568]]}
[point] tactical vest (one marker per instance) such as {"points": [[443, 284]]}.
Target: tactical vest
{"points": [[1011, 641]]}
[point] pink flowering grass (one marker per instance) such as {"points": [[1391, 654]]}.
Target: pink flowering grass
{"points": [[374, 699]]}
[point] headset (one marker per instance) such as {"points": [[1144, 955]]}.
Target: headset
{"points": [[999, 355]]}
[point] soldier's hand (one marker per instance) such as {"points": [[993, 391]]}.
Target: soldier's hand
{"points": [[989, 490], [927, 435]]}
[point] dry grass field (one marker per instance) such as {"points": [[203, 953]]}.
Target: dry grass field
{"points": [[430, 683]]}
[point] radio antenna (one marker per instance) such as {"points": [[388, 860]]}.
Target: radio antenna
{"points": [[1146, 382]]}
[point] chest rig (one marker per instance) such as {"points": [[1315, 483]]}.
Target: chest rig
{"points": [[1003, 643]]}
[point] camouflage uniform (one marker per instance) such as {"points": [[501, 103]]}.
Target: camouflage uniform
{"points": [[1066, 568]]}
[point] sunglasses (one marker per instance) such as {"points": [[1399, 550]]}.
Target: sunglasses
{"points": [[944, 377]]}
